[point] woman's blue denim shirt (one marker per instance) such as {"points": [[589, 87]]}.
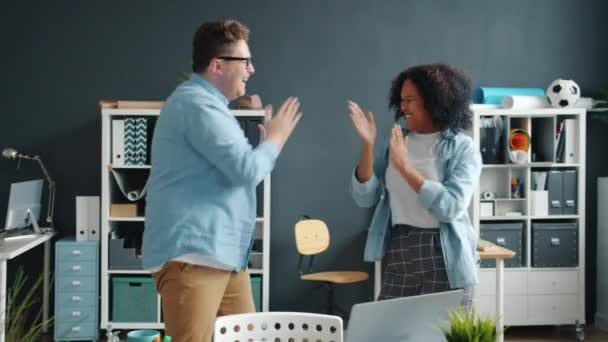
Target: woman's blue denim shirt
{"points": [[458, 170]]}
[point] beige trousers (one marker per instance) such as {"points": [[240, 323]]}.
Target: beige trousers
{"points": [[193, 296]]}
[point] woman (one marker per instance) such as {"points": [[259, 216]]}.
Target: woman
{"points": [[421, 185]]}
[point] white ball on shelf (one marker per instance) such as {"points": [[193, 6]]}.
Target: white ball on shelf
{"points": [[563, 93]]}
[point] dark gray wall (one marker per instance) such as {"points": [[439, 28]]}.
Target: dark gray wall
{"points": [[59, 58]]}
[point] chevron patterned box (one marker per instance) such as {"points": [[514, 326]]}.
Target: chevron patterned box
{"points": [[136, 141]]}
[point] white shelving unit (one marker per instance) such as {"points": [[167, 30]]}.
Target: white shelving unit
{"points": [[109, 192], [533, 295]]}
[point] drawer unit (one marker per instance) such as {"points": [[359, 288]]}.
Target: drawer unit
{"points": [[515, 282], [76, 290], [553, 309], [554, 244], [66, 298], [553, 282], [76, 331], [515, 306], [76, 268], [76, 284], [77, 251]]}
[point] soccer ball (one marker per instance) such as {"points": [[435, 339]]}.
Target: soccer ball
{"points": [[563, 93]]}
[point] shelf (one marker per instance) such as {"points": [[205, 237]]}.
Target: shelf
{"points": [[129, 112], [111, 193], [249, 113], [127, 219], [554, 217], [559, 287], [537, 113], [533, 269], [554, 269], [527, 165], [555, 165], [129, 167], [507, 269], [132, 325], [503, 218], [128, 272], [525, 217]]}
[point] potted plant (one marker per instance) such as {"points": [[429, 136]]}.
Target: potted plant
{"points": [[24, 312], [464, 326]]}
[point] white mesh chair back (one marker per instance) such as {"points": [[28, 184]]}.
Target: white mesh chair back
{"points": [[278, 327]]}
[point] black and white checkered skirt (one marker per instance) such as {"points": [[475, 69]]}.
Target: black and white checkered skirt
{"points": [[414, 265]]}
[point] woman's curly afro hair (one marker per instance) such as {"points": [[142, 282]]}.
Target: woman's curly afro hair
{"points": [[445, 90]]}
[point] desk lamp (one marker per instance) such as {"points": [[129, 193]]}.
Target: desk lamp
{"points": [[12, 153]]}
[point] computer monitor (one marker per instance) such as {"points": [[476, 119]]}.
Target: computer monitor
{"points": [[23, 204], [416, 318]]}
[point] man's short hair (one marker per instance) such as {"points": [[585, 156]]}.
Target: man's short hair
{"points": [[213, 39]]}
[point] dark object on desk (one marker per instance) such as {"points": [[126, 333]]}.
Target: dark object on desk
{"points": [[12, 153], [23, 210]]}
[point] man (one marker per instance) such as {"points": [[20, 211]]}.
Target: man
{"points": [[200, 212]]}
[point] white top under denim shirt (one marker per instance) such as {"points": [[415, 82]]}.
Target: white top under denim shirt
{"points": [[201, 192], [458, 170], [405, 209]]}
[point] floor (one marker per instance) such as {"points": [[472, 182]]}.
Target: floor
{"points": [[553, 333], [519, 334]]}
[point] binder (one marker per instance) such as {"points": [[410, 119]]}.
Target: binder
{"points": [[82, 219], [141, 141], [570, 141], [569, 192], [243, 124], [539, 203], [555, 188], [118, 142], [253, 134], [559, 141], [491, 140], [87, 218], [130, 141]]}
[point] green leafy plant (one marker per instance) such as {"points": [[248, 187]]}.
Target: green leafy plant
{"points": [[464, 326], [23, 304]]}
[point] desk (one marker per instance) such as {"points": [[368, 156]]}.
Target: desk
{"points": [[9, 250], [491, 251]]}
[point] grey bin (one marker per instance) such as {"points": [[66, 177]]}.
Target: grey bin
{"points": [[121, 258], [555, 244], [508, 235]]}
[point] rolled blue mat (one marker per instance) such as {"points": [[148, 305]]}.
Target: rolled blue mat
{"points": [[494, 95]]}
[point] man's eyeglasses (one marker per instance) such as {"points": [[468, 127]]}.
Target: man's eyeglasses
{"points": [[247, 60]]}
